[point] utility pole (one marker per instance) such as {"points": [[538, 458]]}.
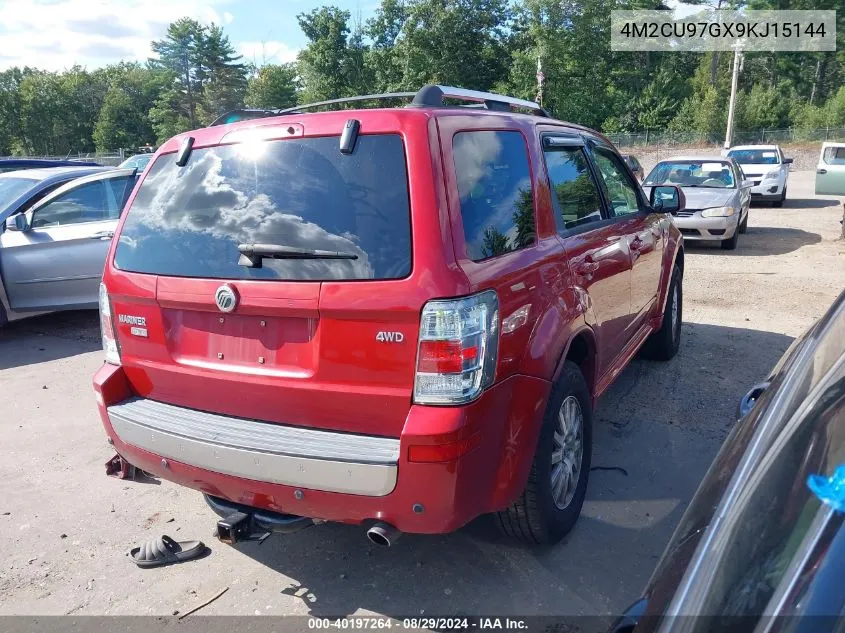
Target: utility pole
{"points": [[732, 106]]}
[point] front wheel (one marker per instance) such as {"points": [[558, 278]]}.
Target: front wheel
{"points": [[743, 226], [779, 203], [665, 342], [730, 244], [548, 508]]}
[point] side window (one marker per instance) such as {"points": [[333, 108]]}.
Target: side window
{"points": [[119, 189], [38, 197], [576, 195], [621, 192], [86, 203], [494, 183], [834, 156]]}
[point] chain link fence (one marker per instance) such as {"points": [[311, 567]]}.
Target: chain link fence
{"points": [[666, 138]]}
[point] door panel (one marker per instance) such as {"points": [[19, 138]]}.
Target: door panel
{"points": [[830, 173], [600, 263], [55, 267], [642, 229], [58, 263]]}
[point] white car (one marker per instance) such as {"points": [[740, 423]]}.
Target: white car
{"points": [[767, 168]]}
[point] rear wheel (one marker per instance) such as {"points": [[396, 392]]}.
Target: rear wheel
{"points": [[549, 506], [664, 343]]}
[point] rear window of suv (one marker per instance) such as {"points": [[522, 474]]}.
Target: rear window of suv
{"points": [[295, 194]]}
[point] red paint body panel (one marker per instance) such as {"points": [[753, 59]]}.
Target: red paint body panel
{"points": [[305, 353]]}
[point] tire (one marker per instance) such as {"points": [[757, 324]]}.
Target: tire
{"points": [[743, 226], [730, 244], [537, 517], [665, 342], [3, 318], [779, 203]]}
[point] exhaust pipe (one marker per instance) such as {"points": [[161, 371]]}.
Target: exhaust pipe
{"points": [[383, 534]]}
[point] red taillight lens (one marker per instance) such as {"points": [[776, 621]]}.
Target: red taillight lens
{"points": [[445, 357]]}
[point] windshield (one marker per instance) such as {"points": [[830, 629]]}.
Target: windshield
{"points": [[755, 156], [11, 188], [292, 194], [138, 162], [692, 173]]}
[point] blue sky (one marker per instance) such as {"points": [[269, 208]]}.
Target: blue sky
{"points": [[56, 34]]}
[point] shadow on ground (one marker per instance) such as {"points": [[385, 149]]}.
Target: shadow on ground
{"points": [[661, 423], [802, 203], [48, 337], [760, 241]]}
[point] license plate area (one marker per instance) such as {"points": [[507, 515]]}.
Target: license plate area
{"points": [[252, 343]]}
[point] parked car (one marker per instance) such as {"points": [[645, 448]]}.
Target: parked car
{"points": [[717, 197], [138, 161], [280, 338], [20, 190], [830, 172], [52, 255], [767, 168], [634, 166], [18, 164], [763, 537]]}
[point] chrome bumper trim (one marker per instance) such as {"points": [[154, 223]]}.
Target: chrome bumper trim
{"points": [[261, 451]]}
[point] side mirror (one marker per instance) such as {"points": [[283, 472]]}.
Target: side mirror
{"points": [[747, 183], [17, 222], [667, 199], [787, 161]]}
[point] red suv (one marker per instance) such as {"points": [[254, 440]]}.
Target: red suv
{"points": [[396, 317]]}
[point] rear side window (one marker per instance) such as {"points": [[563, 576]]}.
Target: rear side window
{"points": [[577, 200], [298, 193], [834, 155], [494, 183]]}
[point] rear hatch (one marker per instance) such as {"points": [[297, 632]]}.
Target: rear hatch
{"points": [[324, 312]]}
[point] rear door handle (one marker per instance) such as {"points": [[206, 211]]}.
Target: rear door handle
{"points": [[821, 171], [102, 235], [588, 266]]}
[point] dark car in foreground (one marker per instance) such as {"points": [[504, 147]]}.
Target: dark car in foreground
{"points": [[17, 164], [761, 547]]}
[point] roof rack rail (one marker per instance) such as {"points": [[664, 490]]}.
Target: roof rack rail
{"points": [[433, 95], [377, 97]]}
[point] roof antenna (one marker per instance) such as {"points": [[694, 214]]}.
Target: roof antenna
{"points": [[185, 151], [349, 136]]}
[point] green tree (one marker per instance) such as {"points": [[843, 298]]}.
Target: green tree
{"points": [[182, 53], [273, 86], [221, 73], [494, 243], [328, 58]]}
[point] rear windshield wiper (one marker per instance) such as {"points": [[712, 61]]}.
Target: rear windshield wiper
{"points": [[252, 255]]}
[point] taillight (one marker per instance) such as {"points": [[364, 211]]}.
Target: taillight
{"points": [[110, 346], [458, 346]]}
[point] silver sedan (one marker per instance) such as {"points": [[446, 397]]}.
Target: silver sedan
{"points": [[717, 196]]}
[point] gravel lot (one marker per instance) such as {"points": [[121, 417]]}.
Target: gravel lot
{"points": [[67, 527]]}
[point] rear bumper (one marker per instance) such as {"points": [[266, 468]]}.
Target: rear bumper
{"points": [[341, 476]]}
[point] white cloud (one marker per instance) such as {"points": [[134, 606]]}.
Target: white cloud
{"points": [[228, 17], [269, 52], [91, 33]]}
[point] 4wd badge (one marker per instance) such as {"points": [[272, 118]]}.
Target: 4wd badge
{"points": [[390, 337]]}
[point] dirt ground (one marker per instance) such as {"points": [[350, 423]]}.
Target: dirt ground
{"points": [[67, 527]]}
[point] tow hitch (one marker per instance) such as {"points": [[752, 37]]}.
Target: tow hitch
{"points": [[244, 523]]}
